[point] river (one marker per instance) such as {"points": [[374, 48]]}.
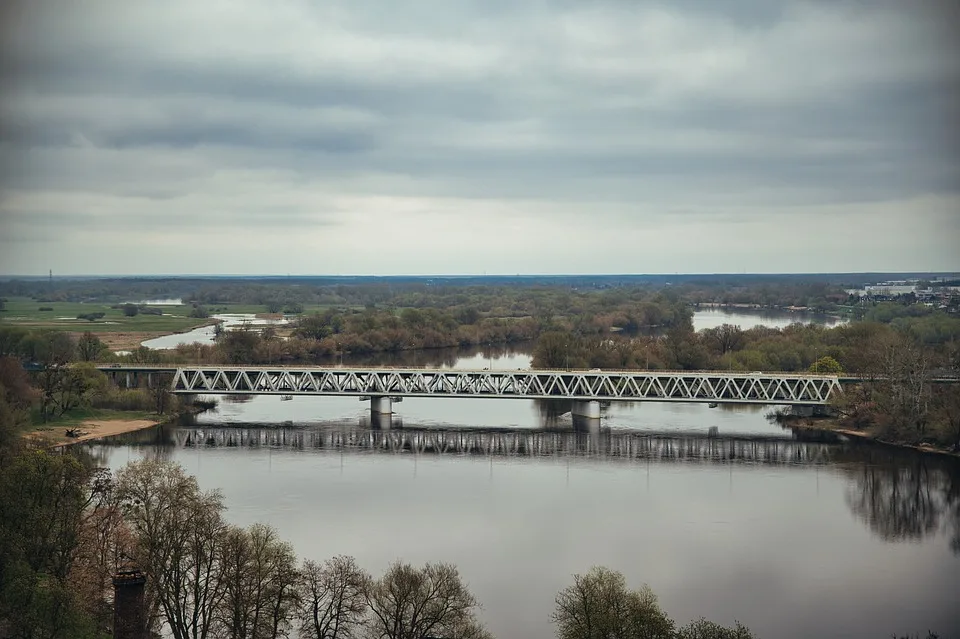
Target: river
{"points": [[794, 537]]}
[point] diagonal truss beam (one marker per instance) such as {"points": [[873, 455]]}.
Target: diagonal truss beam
{"points": [[668, 386]]}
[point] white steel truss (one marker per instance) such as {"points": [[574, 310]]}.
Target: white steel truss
{"points": [[673, 386]]}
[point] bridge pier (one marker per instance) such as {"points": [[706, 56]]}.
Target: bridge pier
{"points": [[588, 409], [381, 406], [586, 416]]}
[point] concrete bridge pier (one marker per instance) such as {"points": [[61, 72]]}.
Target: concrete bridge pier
{"points": [[586, 416], [588, 409], [381, 406]]}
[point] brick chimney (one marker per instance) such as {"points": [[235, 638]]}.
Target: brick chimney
{"points": [[129, 610]]}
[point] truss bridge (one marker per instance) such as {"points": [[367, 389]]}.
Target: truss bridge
{"points": [[382, 386], [585, 388]]}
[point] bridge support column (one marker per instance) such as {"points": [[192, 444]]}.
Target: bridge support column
{"points": [[129, 378], [588, 410], [586, 417], [381, 405]]}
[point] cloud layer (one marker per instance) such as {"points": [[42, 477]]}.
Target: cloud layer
{"points": [[435, 137]]}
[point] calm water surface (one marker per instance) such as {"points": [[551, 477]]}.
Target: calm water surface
{"points": [[793, 538], [206, 334], [746, 319]]}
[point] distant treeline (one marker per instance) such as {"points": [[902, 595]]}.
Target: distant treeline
{"points": [[467, 321], [363, 290]]}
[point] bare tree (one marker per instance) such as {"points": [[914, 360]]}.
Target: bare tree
{"points": [[179, 532], [105, 542], [259, 578], [54, 351], [281, 577], [411, 603], [159, 391], [724, 338], [947, 403], [333, 601], [89, 347], [903, 388], [947, 398], [703, 629], [600, 606]]}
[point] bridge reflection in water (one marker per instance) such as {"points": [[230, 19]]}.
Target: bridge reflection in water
{"points": [[691, 447], [900, 495]]}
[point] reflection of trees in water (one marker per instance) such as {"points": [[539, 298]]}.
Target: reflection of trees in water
{"points": [[903, 496], [896, 503], [154, 443], [953, 511], [90, 457], [551, 410]]}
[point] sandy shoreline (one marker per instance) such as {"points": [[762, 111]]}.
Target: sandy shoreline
{"points": [[97, 428], [128, 341], [132, 340]]}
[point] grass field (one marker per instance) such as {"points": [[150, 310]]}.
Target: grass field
{"points": [[26, 312]]}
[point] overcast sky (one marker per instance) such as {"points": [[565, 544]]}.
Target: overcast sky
{"points": [[497, 136]]}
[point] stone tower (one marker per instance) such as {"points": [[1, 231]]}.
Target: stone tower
{"points": [[129, 609]]}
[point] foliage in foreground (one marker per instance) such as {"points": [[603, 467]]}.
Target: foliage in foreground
{"points": [[600, 606]]}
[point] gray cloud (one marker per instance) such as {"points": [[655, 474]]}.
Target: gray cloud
{"points": [[338, 120]]}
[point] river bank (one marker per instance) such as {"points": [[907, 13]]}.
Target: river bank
{"points": [[132, 340], [832, 425], [98, 429], [86, 428], [91, 427]]}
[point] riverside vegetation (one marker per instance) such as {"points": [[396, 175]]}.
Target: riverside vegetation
{"points": [[897, 346], [896, 352]]}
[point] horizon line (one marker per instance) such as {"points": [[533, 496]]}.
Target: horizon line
{"points": [[457, 275]]}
